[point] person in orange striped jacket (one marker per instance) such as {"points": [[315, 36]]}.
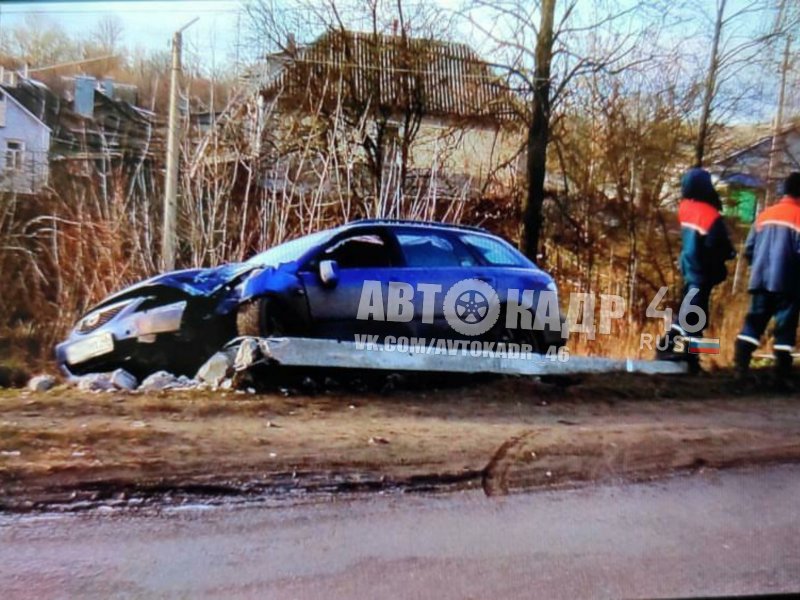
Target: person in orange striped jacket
{"points": [[773, 250], [705, 248]]}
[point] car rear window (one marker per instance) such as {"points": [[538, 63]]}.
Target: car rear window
{"points": [[493, 252], [432, 250]]}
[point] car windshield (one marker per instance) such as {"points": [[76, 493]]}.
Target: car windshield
{"points": [[288, 251]]}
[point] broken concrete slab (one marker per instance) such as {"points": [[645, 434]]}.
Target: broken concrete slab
{"points": [[216, 369], [247, 355], [312, 352]]}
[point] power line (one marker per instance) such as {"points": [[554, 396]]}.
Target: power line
{"points": [[72, 63]]}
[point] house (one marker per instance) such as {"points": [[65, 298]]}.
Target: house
{"points": [[429, 109], [24, 147], [746, 171], [91, 120]]}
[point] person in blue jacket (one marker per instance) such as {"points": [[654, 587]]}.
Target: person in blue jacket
{"points": [[773, 250], [705, 248]]}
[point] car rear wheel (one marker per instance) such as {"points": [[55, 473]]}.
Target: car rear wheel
{"points": [[501, 333], [257, 319], [518, 336]]}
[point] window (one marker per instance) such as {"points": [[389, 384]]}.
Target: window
{"points": [[3, 108], [432, 250], [494, 252], [360, 252], [15, 150]]}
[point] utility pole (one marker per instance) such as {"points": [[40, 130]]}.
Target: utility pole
{"points": [[783, 25], [169, 237]]}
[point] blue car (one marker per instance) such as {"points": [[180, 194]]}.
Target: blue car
{"points": [[375, 278]]}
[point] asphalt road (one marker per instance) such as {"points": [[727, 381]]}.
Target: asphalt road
{"points": [[707, 534]]}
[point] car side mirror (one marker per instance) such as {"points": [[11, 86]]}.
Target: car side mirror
{"points": [[329, 273]]}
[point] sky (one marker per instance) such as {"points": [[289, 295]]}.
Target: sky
{"points": [[213, 40], [148, 24]]}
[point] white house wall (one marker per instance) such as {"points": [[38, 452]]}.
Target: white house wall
{"points": [[472, 151], [21, 125]]}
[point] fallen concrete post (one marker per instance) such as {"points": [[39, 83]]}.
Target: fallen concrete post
{"points": [[324, 353]]}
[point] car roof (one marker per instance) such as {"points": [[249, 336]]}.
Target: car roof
{"points": [[412, 223]]}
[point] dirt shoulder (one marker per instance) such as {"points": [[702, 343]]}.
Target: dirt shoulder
{"points": [[70, 448]]}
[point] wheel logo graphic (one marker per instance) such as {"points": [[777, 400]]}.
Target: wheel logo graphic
{"points": [[471, 307]]}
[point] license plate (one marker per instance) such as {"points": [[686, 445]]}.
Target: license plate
{"points": [[97, 345]]}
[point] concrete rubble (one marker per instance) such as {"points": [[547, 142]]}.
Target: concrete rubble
{"points": [[103, 382], [163, 380], [95, 382], [122, 380], [41, 383], [220, 372]]}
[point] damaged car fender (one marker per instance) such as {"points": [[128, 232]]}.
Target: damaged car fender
{"points": [[280, 293], [270, 281]]}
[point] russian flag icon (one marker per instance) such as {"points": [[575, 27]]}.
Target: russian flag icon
{"points": [[704, 346]]}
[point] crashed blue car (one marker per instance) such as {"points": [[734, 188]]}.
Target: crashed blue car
{"points": [[371, 277]]}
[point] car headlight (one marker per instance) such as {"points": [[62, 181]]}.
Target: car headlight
{"points": [[102, 316]]}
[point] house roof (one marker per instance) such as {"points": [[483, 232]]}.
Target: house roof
{"points": [[6, 92], [389, 74], [764, 143], [115, 125], [749, 166]]}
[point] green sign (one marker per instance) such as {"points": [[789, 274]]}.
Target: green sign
{"points": [[741, 204]]}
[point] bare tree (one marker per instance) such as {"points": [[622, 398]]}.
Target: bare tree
{"points": [[366, 73], [740, 35], [543, 48], [538, 131], [108, 34], [39, 42]]}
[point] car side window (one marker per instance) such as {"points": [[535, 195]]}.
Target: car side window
{"points": [[432, 250], [360, 252], [493, 252]]}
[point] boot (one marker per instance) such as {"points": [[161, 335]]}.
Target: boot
{"points": [[783, 367], [665, 347], [693, 362], [743, 351]]}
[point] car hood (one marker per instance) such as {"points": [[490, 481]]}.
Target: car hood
{"points": [[195, 282]]}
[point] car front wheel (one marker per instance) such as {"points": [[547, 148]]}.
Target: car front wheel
{"points": [[257, 318]]}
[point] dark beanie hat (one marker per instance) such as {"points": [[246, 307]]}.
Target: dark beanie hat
{"points": [[791, 185], [696, 185]]}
